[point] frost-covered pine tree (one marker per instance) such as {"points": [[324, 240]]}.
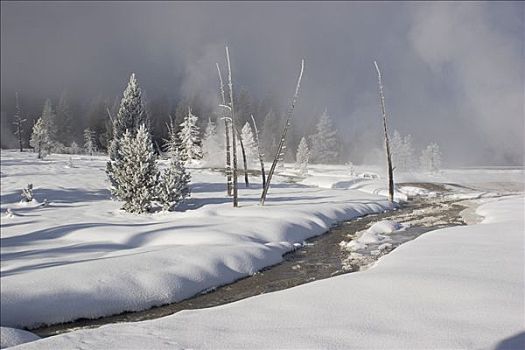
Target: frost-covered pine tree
{"points": [[430, 159], [130, 116], [250, 146], [134, 174], [18, 123], [90, 145], [189, 138], [402, 152], [302, 156], [173, 186], [49, 119], [212, 152], [324, 145], [40, 140], [74, 148], [64, 121]]}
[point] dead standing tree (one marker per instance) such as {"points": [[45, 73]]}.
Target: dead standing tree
{"points": [[278, 154], [227, 130], [387, 143], [234, 146]]}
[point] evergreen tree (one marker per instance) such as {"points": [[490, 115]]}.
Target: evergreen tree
{"points": [[64, 121], [250, 146], [134, 173], [130, 116], [74, 148], [430, 159], [324, 144], [212, 152], [40, 140], [402, 152], [303, 154], [90, 145], [173, 186], [49, 120], [189, 138], [19, 121]]}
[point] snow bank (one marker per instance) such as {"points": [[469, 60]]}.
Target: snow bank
{"points": [[453, 288], [79, 256], [11, 337]]}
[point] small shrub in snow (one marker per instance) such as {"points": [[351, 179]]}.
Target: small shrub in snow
{"points": [[134, 174], [27, 193], [173, 185]]}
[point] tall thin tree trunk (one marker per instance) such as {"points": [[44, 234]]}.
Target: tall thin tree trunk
{"points": [[226, 129], [283, 136], [234, 146], [387, 143], [261, 160]]}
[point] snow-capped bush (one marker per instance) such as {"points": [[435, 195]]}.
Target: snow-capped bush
{"points": [[27, 193], [173, 185], [134, 174]]}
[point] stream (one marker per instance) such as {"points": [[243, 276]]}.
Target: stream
{"points": [[317, 258]]}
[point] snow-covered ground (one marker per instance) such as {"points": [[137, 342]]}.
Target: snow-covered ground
{"points": [[79, 256], [459, 287]]}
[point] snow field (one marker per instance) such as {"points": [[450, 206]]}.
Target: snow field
{"points": [[459, 287]]}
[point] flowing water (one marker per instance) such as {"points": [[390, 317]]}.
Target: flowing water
{"points": [[317, 258]]}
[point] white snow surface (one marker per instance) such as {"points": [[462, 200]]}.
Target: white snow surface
{"points": [[459, 287], [12, 336], [80, 256]]}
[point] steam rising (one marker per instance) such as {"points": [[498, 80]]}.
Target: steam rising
{"points": [[453, 73]]}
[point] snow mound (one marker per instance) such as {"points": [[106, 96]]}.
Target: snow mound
{"points": [[413, 191], [12, 336], [375, 234], [385, 227]]}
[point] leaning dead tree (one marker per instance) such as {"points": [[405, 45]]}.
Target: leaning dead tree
{"points": [[279, 152], [261, 160], [245, 162], [234, 146], [387, 143], [227, 131], [18, 123]]}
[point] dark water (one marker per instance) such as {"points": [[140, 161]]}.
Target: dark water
{"points": [[318, 258]]}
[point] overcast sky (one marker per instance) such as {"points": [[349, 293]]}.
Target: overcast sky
{"points": [[453, 72]]}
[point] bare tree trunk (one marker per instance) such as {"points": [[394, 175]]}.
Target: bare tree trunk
{"points": [[234, 146], [261, 160], [228, 151], [283, 137], [246, 181], [387, 143]]}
